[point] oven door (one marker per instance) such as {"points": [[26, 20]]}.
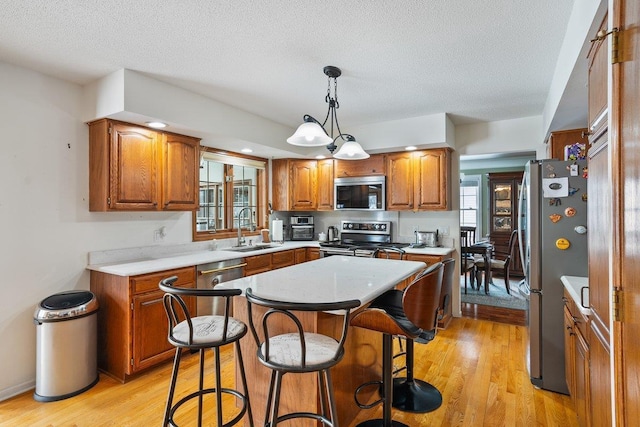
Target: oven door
{"points": [[302, 232]]}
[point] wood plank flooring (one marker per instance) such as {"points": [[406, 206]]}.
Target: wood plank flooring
{"points": [[478, 365]]}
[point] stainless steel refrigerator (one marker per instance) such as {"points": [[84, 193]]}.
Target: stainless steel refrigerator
{"points": [[553, 221]]}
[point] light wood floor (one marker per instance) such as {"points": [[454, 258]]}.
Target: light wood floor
{"points": [[478, 365]]}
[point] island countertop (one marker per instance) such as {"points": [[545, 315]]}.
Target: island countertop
{"points": [[330, 279]]}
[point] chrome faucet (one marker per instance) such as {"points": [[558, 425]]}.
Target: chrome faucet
{"points": [[240, 238]]}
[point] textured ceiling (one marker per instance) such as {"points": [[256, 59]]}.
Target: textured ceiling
{"points": [[477, 60]]}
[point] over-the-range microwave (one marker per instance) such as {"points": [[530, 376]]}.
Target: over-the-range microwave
{"points": [[361, 193]]}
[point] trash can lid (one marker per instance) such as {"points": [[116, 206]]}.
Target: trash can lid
{"points": [[65, 305]]}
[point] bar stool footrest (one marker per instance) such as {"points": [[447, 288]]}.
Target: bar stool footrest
{"points": [[204, 392], [415, 396], [361, 405], [380, 423]]}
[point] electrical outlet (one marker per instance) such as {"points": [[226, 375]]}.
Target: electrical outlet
{"points": [[443, 231], [157, 235]]}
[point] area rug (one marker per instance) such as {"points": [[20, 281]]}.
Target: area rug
{"points": [[497, 297]]}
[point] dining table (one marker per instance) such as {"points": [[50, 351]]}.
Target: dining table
{"points": [[484, 249], [329, 279]]}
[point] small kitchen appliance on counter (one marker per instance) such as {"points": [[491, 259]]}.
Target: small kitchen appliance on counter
{"points": [[302, 227], [332, 234], [426, 239]]}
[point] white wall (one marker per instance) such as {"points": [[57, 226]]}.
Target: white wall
{"points": [[516, 135], [45, 224]]}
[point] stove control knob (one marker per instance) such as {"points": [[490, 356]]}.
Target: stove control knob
{"points": [[349, 225], [383, 226], [376, 226]]}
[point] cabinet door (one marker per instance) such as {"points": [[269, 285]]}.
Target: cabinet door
{"points": [[303, 184], [133, 168], [312, 254], [374, 165], [569, 352], [431, 172], [282, 259], [150, 328], [180, 159], [581, 379], [598, 83], [300, 255], [400, 181], [325, 185], [600, 379]]}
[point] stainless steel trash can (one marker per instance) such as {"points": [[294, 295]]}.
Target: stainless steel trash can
{"points": [[66, 355]]}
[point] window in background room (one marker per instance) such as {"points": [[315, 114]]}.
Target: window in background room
{"points": [[470, 202], [228, 184]]}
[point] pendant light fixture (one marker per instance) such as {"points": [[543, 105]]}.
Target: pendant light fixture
{"points": [[312, 133]]}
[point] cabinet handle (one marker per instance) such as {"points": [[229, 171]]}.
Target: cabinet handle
{"points": [[155, 301], [216, 270]]}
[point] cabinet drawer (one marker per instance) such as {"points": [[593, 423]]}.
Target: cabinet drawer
{"points": [[149, 282], [258, 262], [282, 259], [580, 321], [428, 259]]}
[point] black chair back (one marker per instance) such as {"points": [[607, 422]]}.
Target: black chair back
{"points": [[274, 321], [177, 309]]}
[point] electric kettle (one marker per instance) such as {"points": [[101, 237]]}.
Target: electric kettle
{"points": [[332, 234]]}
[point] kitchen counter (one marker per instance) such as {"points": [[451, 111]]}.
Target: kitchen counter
{"points": [[574, 286], [131, 262]]}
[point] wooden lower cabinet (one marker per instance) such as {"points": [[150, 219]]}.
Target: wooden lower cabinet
{"points": [[132, 324], [271, 261], [577, 360], [313, 253]]}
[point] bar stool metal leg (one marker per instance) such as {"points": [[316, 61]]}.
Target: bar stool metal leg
{"points": [[387, 387], [414, 395]]}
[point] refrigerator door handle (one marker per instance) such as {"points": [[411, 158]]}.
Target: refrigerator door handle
{"points": [[535, 337]]}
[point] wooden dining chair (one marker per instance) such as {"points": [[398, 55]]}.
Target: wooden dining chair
{"points": [[501, 261], [467, 261]]}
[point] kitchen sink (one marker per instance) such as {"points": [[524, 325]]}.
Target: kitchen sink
{"points": [[249, 248]]}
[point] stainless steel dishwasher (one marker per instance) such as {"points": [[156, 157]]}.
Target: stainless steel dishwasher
{"points": [[213, 273]]}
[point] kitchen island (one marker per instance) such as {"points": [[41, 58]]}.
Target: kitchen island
{"points": [[330, 279]]}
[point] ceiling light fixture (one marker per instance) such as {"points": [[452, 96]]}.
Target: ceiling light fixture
{"points": [[312, 133]]}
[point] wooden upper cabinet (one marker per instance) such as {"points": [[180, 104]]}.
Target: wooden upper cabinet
{"points": [[560, 139], [400, 181], [431, 177], [294, 185], [180, 159], [325, 185], [374, 165], [418, 180], [598, 84], [135, 168]]}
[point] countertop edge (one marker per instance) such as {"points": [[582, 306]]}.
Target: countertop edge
{"points": [[155, 264], [574, 285]]}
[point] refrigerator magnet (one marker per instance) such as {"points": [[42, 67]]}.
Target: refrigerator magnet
{"points": [[555, 218], [562, 244], [555, 187], [569, 212], [584, 197]]}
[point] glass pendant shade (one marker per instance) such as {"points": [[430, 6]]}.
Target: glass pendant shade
{"points": [[351, 150], [309, 134]]}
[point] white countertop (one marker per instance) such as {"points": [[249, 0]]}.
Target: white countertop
{"points": [[144, 262], [574, 285], [330, 279]]}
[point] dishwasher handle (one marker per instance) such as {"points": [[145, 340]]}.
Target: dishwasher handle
{"points": [[218, 270]]}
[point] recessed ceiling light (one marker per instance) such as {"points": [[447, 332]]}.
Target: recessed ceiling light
{"points": [[411, 148], [157, 125], [320, 157], [247, 150]]}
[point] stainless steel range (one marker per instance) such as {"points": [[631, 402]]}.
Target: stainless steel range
{"points": [[360, 238]]}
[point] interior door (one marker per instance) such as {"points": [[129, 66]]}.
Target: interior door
{"points": [[625, 113]]}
